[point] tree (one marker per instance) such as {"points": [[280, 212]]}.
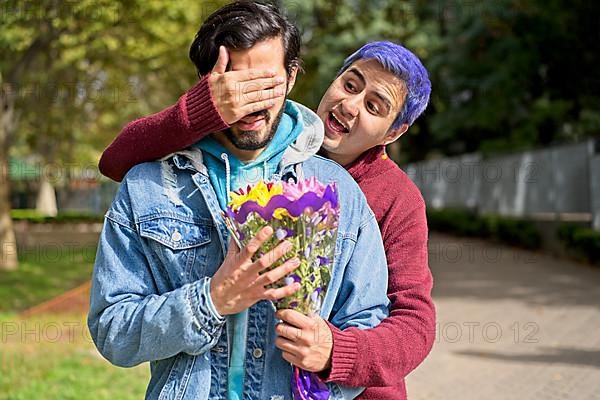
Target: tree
{"points": [[72, 71], [512, 74], [506, 75]]}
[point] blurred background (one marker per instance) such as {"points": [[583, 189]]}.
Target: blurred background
{"points": [[507, 156]]}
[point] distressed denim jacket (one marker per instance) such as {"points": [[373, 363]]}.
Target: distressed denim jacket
{"points": [[162, 241]]}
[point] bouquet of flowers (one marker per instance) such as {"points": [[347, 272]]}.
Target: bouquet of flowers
{"points": [[306, 214]]}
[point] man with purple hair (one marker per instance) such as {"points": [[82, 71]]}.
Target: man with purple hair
{"points": [[378, 94]]}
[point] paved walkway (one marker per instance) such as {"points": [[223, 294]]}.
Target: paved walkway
{"points": [[512, 324]]}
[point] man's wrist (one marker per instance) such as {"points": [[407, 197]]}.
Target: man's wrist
{"points": [[212, 303]]}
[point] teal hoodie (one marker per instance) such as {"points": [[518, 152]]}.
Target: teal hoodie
{"points": [[216, 157], [219, 160]]}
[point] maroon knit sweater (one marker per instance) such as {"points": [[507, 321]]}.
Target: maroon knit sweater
{"points": [[377, 358]]}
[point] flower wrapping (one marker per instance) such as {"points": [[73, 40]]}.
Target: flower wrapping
{"points": [[305, 214]]}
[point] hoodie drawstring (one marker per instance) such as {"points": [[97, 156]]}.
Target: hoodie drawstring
{"points": [[265, 171], [299, 173], [225, 158]]}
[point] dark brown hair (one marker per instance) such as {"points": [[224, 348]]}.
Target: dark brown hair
{"points": [[240, 25]]}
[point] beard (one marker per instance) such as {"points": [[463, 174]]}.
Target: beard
{"points": [[250, 140]]}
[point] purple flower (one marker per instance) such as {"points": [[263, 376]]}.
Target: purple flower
{"points": [[323, 260], [294, 207], [314, 297], [315, 218], [281, 234], [294, 304], [307, 252], [312, 277], [291, 279]]}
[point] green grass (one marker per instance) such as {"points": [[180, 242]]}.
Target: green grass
{"points": [[52, 356], [43, 274], [40, 359]]}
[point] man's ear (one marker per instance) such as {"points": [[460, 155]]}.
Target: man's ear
{"points": [[292, 79], [394, 134]]}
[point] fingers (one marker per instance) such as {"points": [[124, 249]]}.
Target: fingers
{"points": [[255, 93], [261, 84], [269, 259], [254, 244], [291, 358], [287, 345], [233, 247], [280, 293], [261, 91], [252, 74], [221, 65], [256, 107], [288, 332], [295, 318], [278, 273]]}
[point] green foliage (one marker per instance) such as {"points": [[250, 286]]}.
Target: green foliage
{"points": [[462, 222], [513, 75], [80, 70], [583, 241], [506, 75], [332, 30], [516, 232], [512, 231]]}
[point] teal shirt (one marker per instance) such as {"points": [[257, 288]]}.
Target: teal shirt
{"points": [[241, 175]]}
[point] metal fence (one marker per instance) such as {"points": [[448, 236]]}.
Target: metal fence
{"points": [[561, 182]]}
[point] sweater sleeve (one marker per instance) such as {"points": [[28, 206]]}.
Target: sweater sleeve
{"points": [[410, 328], [191, 119]]}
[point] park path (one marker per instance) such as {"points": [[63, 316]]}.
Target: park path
{"points": [[512, 324]]}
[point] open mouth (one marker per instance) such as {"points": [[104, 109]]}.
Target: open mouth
{"points": [[335, 125], [251, 123]]}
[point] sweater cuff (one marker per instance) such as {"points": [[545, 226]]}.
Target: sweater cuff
{"points": [[343, 356], [202, 112]]}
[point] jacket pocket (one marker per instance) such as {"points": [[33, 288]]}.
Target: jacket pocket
{"points": [[178, 244]]}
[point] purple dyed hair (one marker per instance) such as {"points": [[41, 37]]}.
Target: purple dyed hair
{"points": [[405, 65]]}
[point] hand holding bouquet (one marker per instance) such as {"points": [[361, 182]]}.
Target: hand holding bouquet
{"points": [[306, 215]]}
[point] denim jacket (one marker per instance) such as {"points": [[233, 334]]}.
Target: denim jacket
{"points": [[162, 241]]}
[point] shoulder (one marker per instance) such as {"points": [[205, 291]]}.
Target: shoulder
{"points": [[328, 171], [142, 185], [351, 197], [407, 187], [146, 174]]}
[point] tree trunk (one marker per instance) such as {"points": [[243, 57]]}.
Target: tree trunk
{"points": [[8, 243]]}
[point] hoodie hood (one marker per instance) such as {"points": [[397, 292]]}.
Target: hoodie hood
{"points": [[308, 142], [299, 136]]}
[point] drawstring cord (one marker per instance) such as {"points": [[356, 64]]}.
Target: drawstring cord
{"points": [[265, 171], [299, 173], [225, 158]]}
